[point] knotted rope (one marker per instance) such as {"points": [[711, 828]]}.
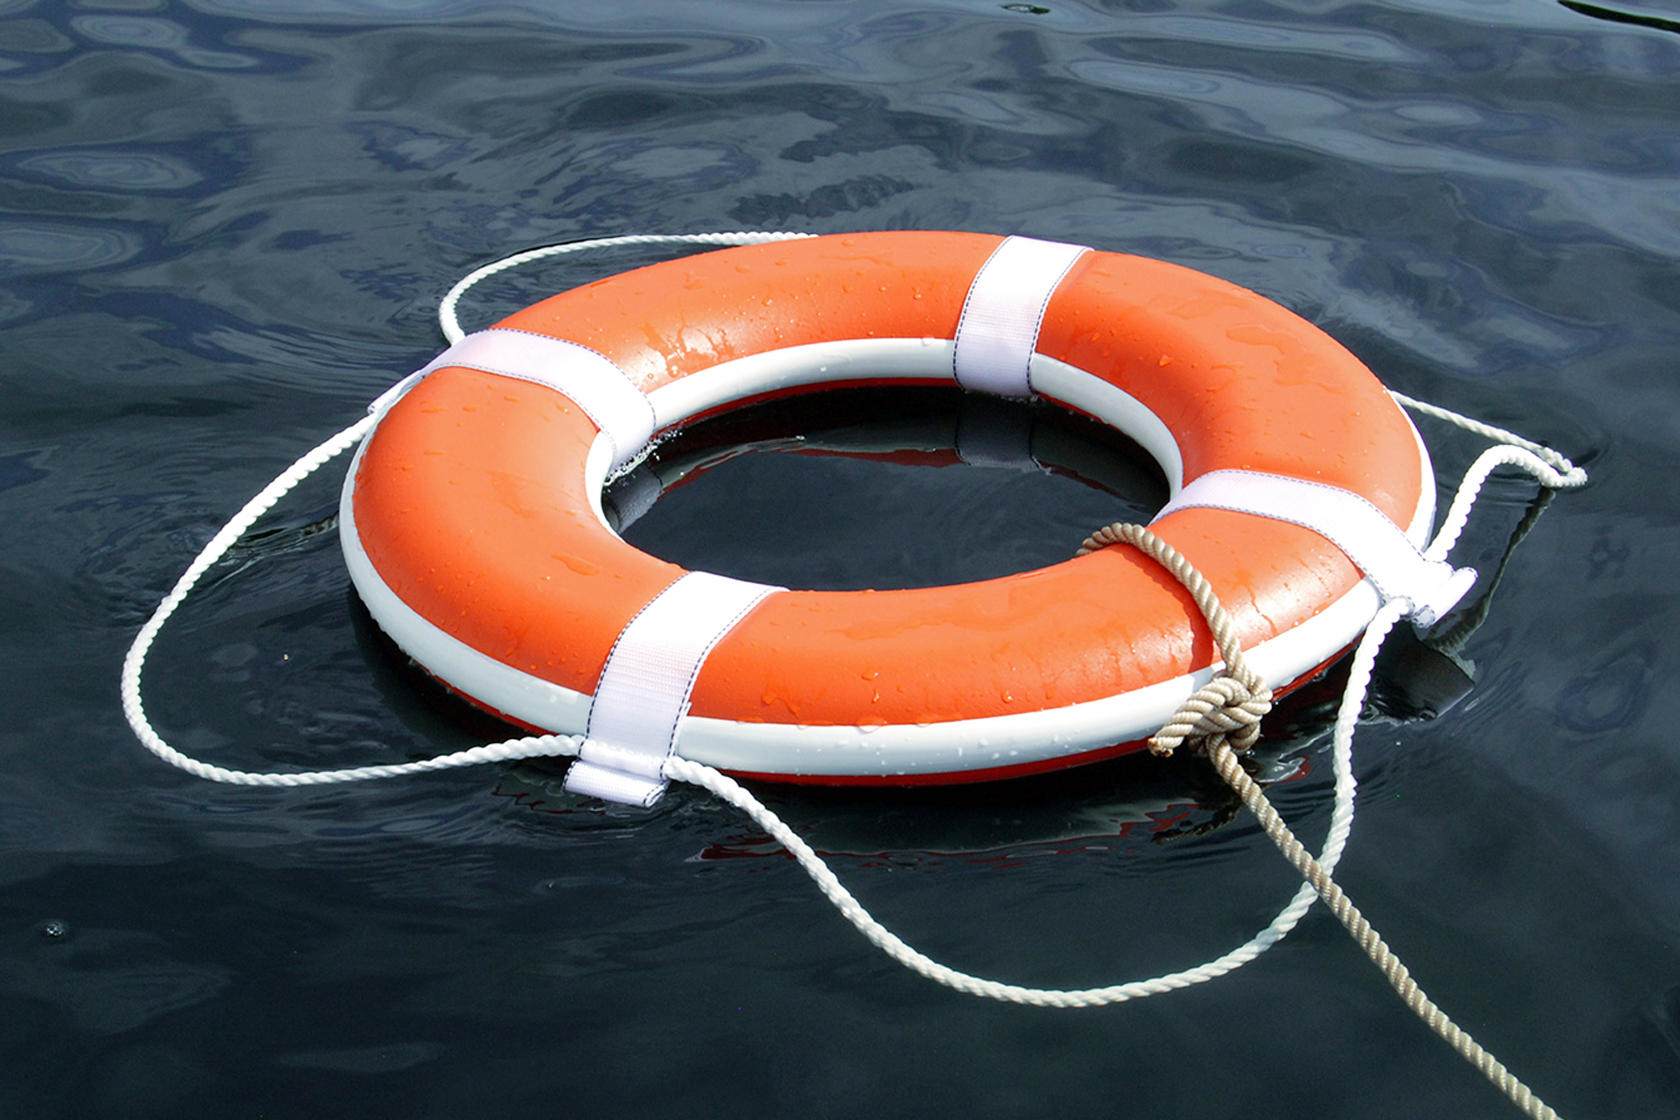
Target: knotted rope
{"points": [[1223, 719], [1234, 701]]}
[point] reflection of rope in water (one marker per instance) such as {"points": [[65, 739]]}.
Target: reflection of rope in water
{"points": [[272, 542], [1552, 470]]}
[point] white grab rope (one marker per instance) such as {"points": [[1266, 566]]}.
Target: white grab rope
{"points": [[446, 308], [134, 663], [1569, 474], [1549, 468]]}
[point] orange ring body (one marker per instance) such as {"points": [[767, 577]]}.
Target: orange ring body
{"points": [[471, 503]]}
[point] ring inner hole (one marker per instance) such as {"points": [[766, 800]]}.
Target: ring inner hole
{"points": [[883, 488]]}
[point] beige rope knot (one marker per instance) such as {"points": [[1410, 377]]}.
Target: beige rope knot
{"points": [[1225, 706], [1231, 705]]}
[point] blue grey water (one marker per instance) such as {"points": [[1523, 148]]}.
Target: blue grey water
{"points": [[224, 227]]}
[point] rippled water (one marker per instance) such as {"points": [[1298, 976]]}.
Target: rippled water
{"points": [[224, 227]]}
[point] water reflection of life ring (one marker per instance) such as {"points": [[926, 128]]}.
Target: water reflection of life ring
{"points": [[918, 428], [473, 530]]}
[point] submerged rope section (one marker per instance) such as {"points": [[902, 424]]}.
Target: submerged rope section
{"points": [[1220, 719]]}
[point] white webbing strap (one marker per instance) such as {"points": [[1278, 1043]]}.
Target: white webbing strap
{"points": [[1376, 545], [644, 688], [1001, 317], [591, 379]]}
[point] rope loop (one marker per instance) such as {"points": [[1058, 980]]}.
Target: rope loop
{"points": [[1231, 705]]}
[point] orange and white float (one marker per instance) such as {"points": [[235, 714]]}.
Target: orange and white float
{"points": [[472, 525]]}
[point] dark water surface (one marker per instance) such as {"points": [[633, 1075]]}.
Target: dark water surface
{"points": [[224, 227]]}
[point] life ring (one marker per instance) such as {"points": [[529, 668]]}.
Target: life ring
{"points": [[473, 530]]}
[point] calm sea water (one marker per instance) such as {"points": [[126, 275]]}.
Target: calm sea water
{"points": [[224, 227]]}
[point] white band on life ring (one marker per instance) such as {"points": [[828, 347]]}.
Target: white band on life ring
{"points": [[644, 687], [1001, 317], [591, 380], [1389, 558]]}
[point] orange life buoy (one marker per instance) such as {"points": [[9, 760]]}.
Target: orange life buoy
{"points": [[473, 530]]}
